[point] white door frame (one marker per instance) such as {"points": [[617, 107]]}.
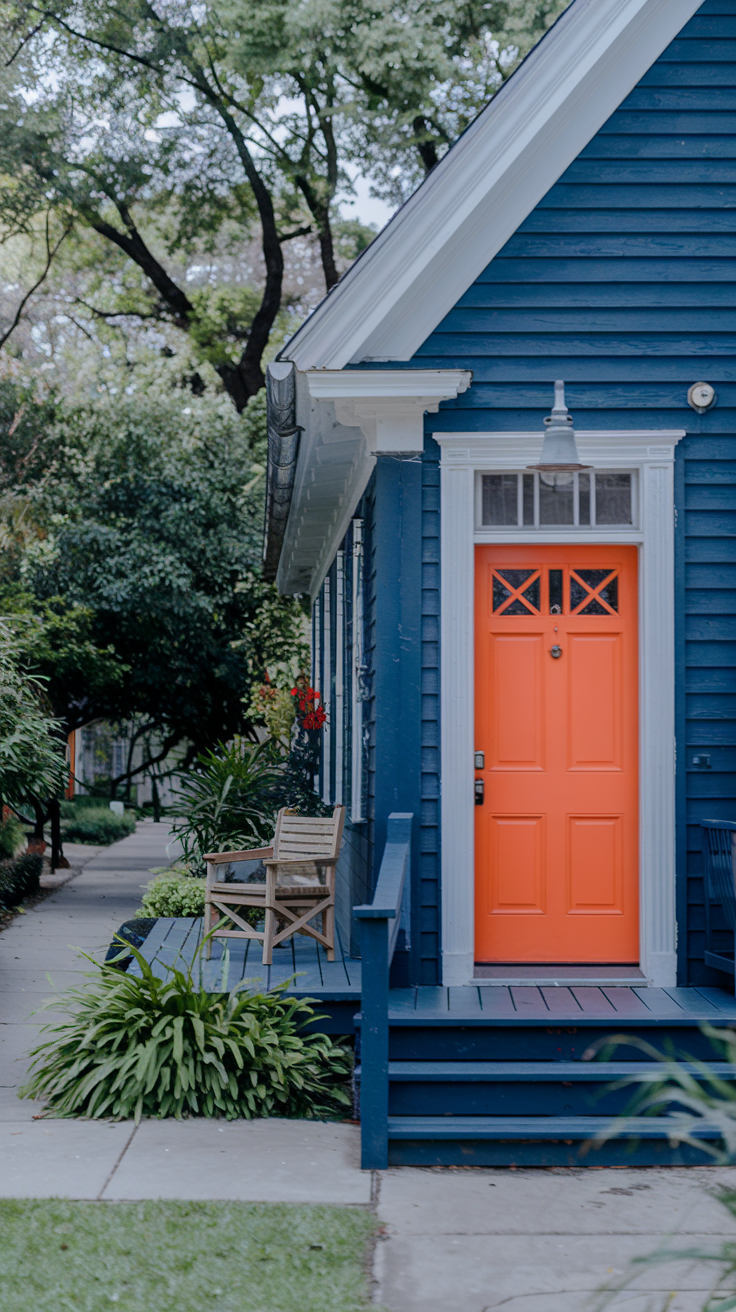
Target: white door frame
{"points": [[651, 453]]}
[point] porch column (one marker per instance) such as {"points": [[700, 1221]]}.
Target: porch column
{"points": [[397, 670]]}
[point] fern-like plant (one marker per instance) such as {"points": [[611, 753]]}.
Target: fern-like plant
{"points": [[227, 803], [142, 1046]]}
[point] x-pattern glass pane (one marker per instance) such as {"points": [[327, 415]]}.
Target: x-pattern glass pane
{"points": [[516, 591], [594, 592]]}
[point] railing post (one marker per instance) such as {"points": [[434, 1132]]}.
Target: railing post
{"points": [[379, 924], [374, 1045]]}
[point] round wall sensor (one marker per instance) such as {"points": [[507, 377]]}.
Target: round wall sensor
{"points": [[701, 396]]}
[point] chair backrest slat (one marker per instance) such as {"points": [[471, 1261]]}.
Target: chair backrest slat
{"points": [[308, 836]]}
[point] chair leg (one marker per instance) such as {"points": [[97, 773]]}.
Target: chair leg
{"points": [[328, 929], [206, 929], [270, 930]]}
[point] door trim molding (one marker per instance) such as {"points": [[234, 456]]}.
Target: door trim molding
{"points": [[652, 453]]}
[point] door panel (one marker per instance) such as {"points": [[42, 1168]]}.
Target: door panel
{"points": [[557, 835], [518, 854], [517, 729], [595, 696]]}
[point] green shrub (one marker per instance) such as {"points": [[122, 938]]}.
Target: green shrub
{"points": [[12, 836], [19, 878], [70, 807], [174, 894], [142, 1046], [97, 825]]}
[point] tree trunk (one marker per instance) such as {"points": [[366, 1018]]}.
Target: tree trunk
{"points": [[155, 799], [58, 860]]}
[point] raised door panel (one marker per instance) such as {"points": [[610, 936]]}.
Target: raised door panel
{"points": [[595, 701], [517, 699], [517, 864], [595, 853]]}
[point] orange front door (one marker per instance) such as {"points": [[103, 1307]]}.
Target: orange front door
{"points": [[557, 830]]}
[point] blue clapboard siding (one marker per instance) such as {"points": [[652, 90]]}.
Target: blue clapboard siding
{"points": [[623, 282], [429, 850]]}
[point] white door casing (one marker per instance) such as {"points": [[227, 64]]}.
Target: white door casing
{"points": [[651, 454]]}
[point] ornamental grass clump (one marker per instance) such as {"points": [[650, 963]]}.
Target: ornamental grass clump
{"points": [[141, 1046]]}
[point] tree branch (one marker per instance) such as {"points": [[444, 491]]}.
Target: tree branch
{"points": [[28, 37], [50, 254], [133, 245]]}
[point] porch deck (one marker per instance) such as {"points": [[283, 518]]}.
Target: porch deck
{"points": [[334, 984], [337, 984]]}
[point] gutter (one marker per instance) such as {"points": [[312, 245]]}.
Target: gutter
{"points": [[283, 450]]}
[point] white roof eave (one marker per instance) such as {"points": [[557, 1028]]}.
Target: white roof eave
{"points": [[438, 243]]}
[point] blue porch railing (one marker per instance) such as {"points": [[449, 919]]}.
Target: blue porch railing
{"points": [[719, 877], [379, 930]]}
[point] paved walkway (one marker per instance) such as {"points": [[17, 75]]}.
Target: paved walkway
{"points": [[546, 1240], [524, 1241]]}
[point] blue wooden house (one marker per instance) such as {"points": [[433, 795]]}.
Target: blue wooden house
{"points": [[536, 664]]}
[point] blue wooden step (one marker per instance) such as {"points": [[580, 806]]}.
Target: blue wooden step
{"points": [[538, 1141], [447, 1088], [424, 1042]]}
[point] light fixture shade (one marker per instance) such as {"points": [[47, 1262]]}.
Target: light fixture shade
{"points": [[559, 449]]}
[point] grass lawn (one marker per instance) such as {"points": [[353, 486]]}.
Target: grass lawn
{"points": [[149, 1257]]}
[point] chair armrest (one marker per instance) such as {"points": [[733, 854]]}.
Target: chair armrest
{"points": [[301, 861], [254, 854], [219, 858]]}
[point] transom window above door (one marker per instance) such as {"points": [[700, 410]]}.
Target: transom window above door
{"points": [[537, 500]]}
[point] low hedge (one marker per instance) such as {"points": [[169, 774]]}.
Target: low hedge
{"points": [[19, 878], [97, 825]]}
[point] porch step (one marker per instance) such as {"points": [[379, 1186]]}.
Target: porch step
{"points": [[538, 1141], [532, 1088]]}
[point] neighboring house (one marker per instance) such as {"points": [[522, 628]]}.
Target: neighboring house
{"points": [[540, 667], [101, 752]]}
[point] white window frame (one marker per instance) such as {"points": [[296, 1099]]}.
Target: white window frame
{"points": [[339, 707], [317, 660], [651, 454], [356, 681], [523, 530], [326, 682]]}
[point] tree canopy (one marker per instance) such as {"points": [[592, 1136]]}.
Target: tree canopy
{"points": [[143, 145], [134, 586]]}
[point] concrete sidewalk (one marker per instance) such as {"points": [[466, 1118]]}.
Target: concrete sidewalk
{"points": [[39, 951], [546, 1240]]}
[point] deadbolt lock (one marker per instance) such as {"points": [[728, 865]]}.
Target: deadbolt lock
{"points": [[555, 652], [480, 760]]}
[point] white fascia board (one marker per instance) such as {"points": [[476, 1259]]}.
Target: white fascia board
{"points": [[469, 206], [430, 385]]}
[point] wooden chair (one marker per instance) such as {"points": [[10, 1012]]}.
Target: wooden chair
{"points": [[300, 884]]}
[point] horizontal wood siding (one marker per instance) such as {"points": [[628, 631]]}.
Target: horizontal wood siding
{"points": [[623, 282]]}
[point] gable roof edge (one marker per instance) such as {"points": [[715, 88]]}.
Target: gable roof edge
{"points": [[469, 206]]}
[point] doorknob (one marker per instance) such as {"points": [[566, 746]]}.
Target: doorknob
{"points": [[555, 652], [479, 792]]}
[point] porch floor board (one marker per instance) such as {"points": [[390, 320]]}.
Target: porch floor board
{"points": [[303, 962], [561, 1004], [173, 943]]}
